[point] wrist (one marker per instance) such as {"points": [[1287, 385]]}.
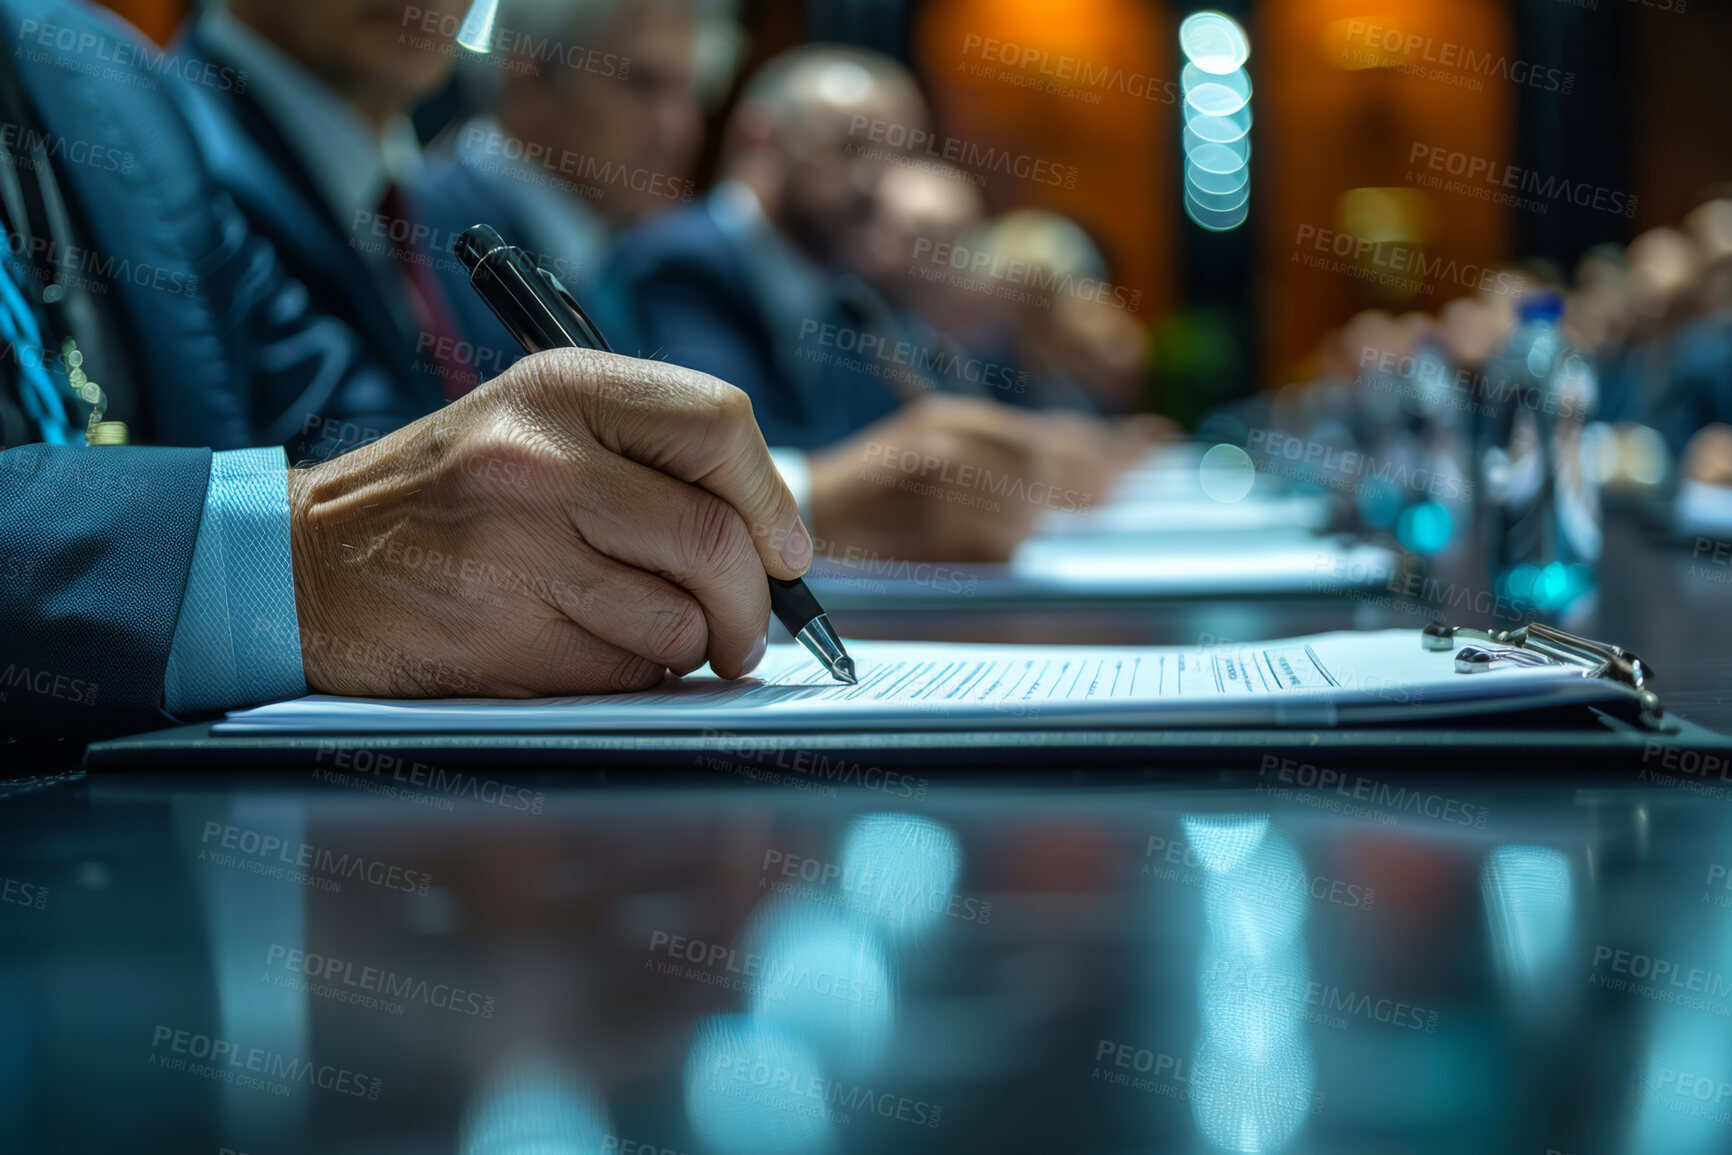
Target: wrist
{"points": [[308, 580]]}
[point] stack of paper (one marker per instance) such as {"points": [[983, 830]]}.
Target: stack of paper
{"points": [[1159, 536], [1321, 680], [1054, 570]]}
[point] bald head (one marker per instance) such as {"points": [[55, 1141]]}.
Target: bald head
{"points": [[807, 138], [1664, 266], [1046, 241], [815, 86], [931, 200], [1710, 226], [920, 205]]}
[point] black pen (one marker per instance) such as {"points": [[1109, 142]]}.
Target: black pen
{"points": [[542, 314]]}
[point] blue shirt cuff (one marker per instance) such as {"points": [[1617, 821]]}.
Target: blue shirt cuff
{"points": [[238, 641]]}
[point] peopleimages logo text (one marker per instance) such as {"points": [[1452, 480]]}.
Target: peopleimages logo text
{"points": [[987, 265], [1411, 49], [226, 1059], [316, 859], [1358, 788], [379, 981], [1523, 180], [129, 59], [1070, 70], [907, 140]]}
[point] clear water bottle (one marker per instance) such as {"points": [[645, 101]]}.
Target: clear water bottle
{"points": [[1537, 478], [1436, 518]]}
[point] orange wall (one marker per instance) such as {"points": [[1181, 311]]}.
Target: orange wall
{"points": [[157, 19], [1323, 128], [1122, 147]]}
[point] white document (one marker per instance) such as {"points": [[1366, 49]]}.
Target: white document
{"points": [[1211, 565], [1290, 513], [1048, 570], [1703, 510], [1323, 679], [1165, 496], [1157, 536]]}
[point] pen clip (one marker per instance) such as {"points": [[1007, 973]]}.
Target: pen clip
{"points": [[588, 331], [529, 301]]}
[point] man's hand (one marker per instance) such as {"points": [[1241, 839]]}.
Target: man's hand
{"points": [[944, 479], [1090, 454], [583, 523], [1708, 456]]}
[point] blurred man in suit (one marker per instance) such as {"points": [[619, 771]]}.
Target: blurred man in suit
{"points": [[920, 208], [596, 123], [753, 284], [530, 539], [743, 284], [1697, 402], [317, 149], [596, 126], [180, 313], [1078, 342]]}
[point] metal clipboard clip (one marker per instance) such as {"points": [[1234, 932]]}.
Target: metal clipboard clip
{"points": [[1536, 644]]}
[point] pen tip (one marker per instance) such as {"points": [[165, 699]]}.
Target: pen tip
{"points": [[844, 671]]}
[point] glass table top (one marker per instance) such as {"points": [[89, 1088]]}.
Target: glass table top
{"points": [[1313, 960]]}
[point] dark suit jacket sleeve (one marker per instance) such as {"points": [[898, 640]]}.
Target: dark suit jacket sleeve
{"points": [[1699, 390], [280, 369], [681, 312], [95, 548]]}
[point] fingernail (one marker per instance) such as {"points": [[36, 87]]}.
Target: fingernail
{"points": [[797, 550], [753, 658]]}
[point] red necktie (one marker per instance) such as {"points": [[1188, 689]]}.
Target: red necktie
{"points": [[438, 339]]}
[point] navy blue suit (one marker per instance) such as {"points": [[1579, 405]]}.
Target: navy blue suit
{"points": [[224, 348], [450, 198], [96, 543], [453, 196], [700, 298], [1698, 388], [249, 160]]}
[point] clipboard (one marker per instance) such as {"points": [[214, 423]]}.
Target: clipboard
{"points": [[1540, 643], [1619, 733]]}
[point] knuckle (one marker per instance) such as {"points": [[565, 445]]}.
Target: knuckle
{"points": [[510, 459], [677, 635], [733, 406], [715, 534], [633, 673], [553, 373]]}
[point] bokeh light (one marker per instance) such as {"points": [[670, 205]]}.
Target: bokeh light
{"points": [[750, 1086], [1424, 528], [900, 871], [827, 978], [1213, 42], [1226, 473], [1217, 130], [530, 1104]]}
